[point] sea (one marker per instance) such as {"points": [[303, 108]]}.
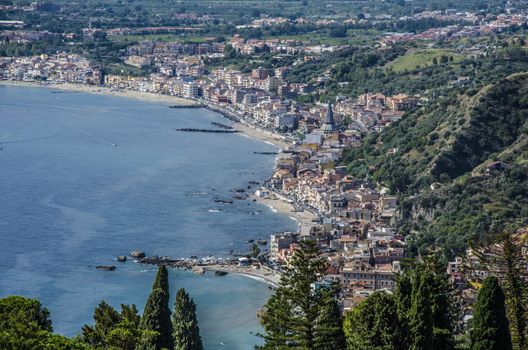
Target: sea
{"points": [[85, 178]]}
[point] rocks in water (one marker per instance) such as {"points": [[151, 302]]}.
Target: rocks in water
{"points": [[136, 254], [106, 267], [199, 270], [121, 258], [220, 273], [262, 242], [250, 241]]}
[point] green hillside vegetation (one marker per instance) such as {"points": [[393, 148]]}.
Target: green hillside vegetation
{"points": [[450, 142], [357, 70], [414, 59]]}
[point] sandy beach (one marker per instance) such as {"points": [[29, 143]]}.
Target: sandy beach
{"points": [[262, 135], [303, 218], [101, 90], [263, 274]]}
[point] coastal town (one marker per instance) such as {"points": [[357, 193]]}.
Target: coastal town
{"points": [[351, 219]]}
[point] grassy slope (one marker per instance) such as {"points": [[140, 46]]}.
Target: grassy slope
{"points": [[420, 58]]}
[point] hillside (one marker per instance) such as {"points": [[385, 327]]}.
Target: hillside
{"points": [[447, 145]]}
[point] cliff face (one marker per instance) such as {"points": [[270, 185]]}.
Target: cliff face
{"points": [[449, 146]]}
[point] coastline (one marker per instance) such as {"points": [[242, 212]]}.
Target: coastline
{"points": [[304, 218], [279, 204], [102, 90], [246, 130], [263, 274], [259, 134]]}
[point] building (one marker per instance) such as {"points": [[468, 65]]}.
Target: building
{"points": [[402, 102], [190, 90], [288, 120], [363, 276], [279, 242], [273, 83], [259, 73], [329, 124], [250, 99]]}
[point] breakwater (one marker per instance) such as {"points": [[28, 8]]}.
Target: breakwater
{"points": [[223, 126], [187, 106], [266, 153], [225, 113], [208, 130]]}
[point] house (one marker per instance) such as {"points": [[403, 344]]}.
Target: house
{"points": [[496, 166]]}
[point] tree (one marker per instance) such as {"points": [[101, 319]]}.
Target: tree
{"points": [[490, 324], [421, 315], [503, 256], [156, 321], [113, 329], [301, 310], [255, 251], [375, 324], [25, 324], [186, 333], [328, 334], [106, 318]]}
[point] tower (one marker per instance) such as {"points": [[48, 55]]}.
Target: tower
{"points": [[329, 124]]}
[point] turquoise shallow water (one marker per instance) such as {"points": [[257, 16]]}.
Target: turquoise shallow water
{"points": [[70, 200]]}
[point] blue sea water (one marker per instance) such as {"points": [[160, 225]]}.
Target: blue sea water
{"points": [[84, 178]]}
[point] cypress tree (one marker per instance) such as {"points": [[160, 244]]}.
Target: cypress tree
{"points": [[490, 324], [156, 321], [186, 333], [503, 257], [421, 316]]}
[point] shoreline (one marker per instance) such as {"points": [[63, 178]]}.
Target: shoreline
{"points": [[246, 129], [279, 205], [303, 218], [269, 277], [103, 90]]}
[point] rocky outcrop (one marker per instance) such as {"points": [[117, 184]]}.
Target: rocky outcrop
{"points": [[137, 254]]}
